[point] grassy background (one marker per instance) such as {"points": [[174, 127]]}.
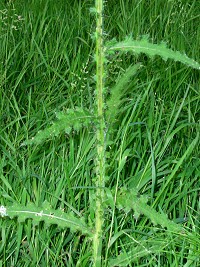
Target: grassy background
{"points": [[47, 65]]}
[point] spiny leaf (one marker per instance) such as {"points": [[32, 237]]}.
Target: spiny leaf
{"points": [[46, 214], [71, 119], [129, 200], [117, 91], [144, 46]]}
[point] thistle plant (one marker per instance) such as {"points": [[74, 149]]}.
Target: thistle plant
{"points": [[102, 119]]}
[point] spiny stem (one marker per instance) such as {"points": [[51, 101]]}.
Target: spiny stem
{"points": [[100, 168]]}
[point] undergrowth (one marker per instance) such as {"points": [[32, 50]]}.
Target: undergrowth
{"points": [[118, 170]]}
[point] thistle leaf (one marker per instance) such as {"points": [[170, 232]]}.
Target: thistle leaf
{"points": [[46, 214], [117, 91], [72, 119], [129, 200], [144, 46]]}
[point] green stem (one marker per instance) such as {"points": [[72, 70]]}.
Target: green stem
{"points": [[100, 168]]}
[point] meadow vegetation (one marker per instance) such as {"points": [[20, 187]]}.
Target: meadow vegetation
{"points": [[149, 206]]}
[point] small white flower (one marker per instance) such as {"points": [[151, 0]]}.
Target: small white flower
{"points": [[3, 211], [14, 27]]}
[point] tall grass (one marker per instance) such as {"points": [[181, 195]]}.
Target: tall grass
{"points": [[120, 158]]}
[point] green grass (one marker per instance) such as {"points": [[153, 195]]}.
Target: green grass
{"points": [[48, 66]]}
